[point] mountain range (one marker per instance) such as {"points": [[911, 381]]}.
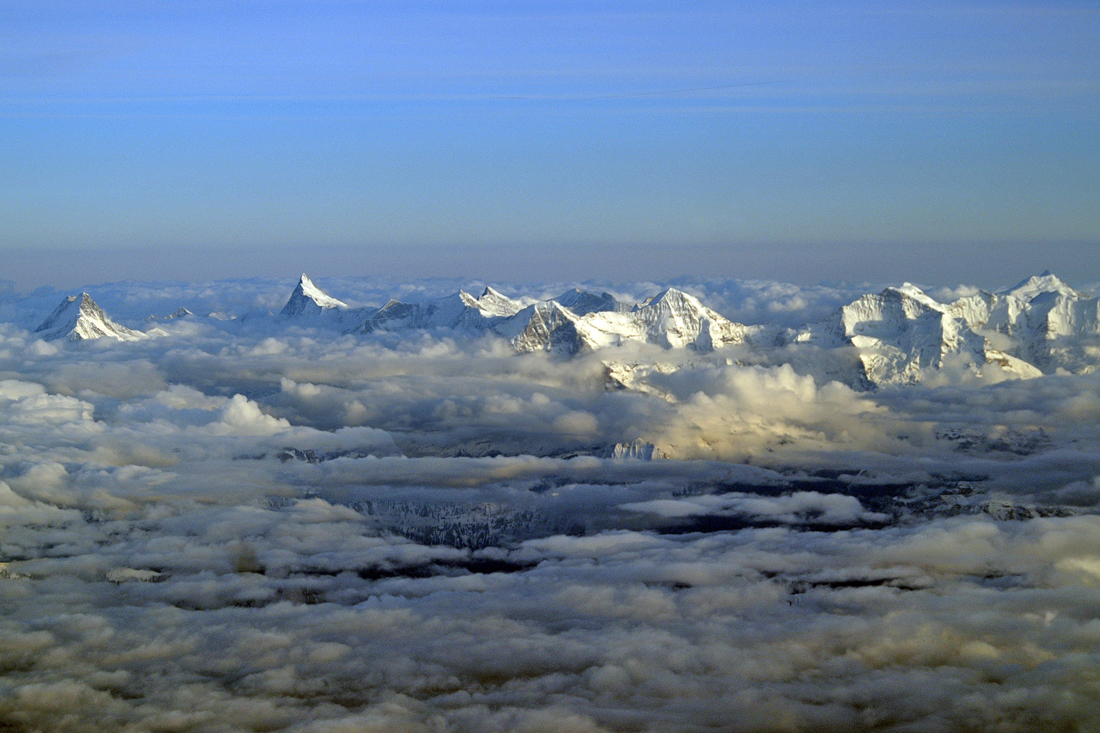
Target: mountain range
{"points": [[900, 335]]}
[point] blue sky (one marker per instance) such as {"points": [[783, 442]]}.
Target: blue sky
{"points": [[934, 141]]}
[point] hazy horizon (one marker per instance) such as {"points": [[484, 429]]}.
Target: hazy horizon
{"points": [[799, 141], [780, 499], [489, 516], [942, 265]]}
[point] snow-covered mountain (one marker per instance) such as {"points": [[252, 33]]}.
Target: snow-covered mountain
{"points": [[581, 302], [309, 302], [78, 318], [1041, 320], [900, 335], [672, 319], [568, 324], [461, 311], [545, 326]]}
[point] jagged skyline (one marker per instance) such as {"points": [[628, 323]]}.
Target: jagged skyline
{"points": [[900, 335], [250, 519]]}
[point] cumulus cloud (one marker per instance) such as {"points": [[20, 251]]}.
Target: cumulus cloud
{"points": [[234, 527], [733, 413]]}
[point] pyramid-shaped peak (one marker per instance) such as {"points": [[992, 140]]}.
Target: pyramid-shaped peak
{"points": [[318, 296], [308, 298], [78, 317], [673, 293], [673, 299], [68, 311]]}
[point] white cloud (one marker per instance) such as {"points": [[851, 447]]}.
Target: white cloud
{"points": [[235, 528], [241, 416]]}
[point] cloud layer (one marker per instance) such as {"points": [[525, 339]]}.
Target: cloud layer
{"points": [[233, 528]]}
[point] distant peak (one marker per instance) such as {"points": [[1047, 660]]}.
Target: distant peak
{"points": [[1047, 282], [78, 317], [909, 290], [671, 297], [308, 297], [494, 303], [582, 302], [309, 289]]}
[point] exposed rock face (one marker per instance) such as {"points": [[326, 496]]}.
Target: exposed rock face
{"points": [[898, 336], [78, 318], [308, 300]]}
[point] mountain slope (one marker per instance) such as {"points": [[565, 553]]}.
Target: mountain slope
{"points": [[78, 318], [581, 302], [545, 326], [309, 301], [1036, 327], [901, 332], [672, 319]]}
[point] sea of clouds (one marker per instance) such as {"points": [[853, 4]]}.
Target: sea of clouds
{"points": [[249, 525]]}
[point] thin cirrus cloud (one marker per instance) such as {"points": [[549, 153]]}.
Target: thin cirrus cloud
{"points": [[552, 52]]}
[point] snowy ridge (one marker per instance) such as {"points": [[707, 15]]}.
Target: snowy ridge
{"points": [[309, 301], [461, 311], [898, 336], [575, 321], [675, 319], [78, 318], [902, 334], [582, 303], [545, 326], [1035, 285]]}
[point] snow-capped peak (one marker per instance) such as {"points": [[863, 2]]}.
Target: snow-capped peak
{"points": [[493, 303], [308, 299], [912, 291], [78, 317], [675, 304], [1047, 282], [673, 318]]}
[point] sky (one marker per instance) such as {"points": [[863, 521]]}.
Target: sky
{"points": [[800, 141]]}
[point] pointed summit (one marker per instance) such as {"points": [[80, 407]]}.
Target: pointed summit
{"points": [[78, 318], [494, 303], [309, 300]]}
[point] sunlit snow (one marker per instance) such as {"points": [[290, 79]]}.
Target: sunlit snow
{"points": [[728, 506]]}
